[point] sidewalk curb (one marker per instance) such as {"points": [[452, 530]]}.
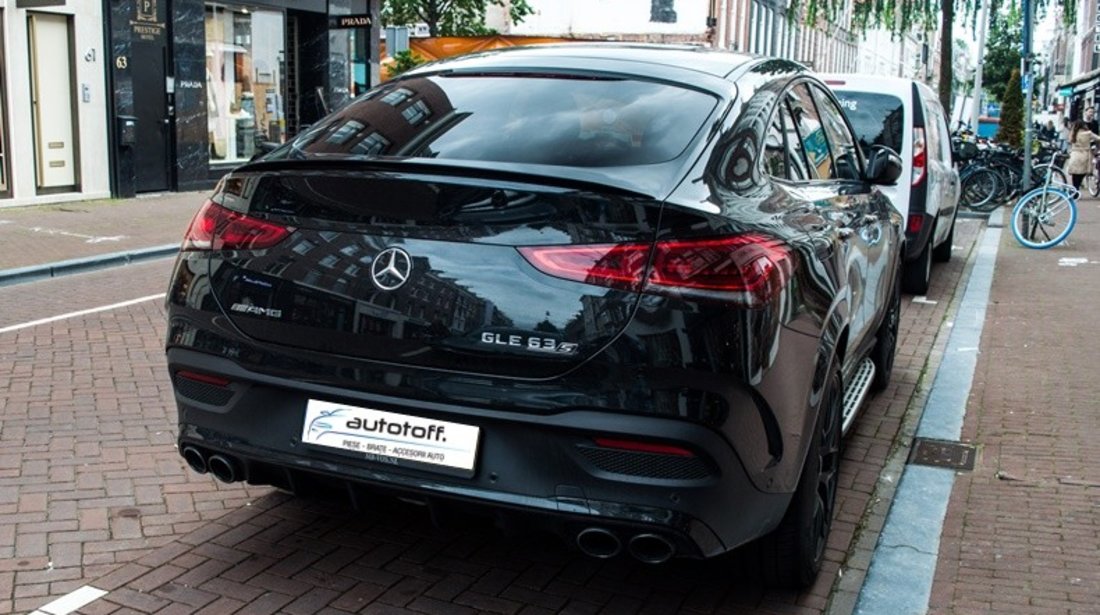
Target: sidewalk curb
{"points": [[33, 273]]}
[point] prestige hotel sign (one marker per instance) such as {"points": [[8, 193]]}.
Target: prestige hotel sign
{"points": [[145, 25]]}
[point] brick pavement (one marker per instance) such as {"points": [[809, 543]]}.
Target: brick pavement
{"points": [[280, 553], [51, 233], [1022, 531]]}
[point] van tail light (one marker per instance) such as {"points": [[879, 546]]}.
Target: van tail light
{"points": [[920, 156], [217, 228], [748, 269]]}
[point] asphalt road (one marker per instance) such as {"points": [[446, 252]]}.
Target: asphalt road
{"points": [[92, 492]]}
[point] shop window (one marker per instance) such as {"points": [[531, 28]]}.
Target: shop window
{"points": [[662, 11], [245, 79]]}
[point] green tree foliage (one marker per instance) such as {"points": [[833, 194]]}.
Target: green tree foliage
{"points": [[1002, 52], [450, 17], [903, 16], [404, 61], [1011, 129]]}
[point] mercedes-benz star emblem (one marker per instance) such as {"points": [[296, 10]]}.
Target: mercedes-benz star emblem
{"points": [[391, 268]]}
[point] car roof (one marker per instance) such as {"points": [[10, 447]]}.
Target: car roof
{"points": [[867, 83], [687, 63]]}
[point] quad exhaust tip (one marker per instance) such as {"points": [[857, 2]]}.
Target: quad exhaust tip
{"points": [[195, 460], [223, 468], [651, 548], [599, 543]]}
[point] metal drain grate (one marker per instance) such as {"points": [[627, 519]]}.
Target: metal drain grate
{"points": [[943, 454]]}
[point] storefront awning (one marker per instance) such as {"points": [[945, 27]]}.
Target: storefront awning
{"points": [[1083, 82]]}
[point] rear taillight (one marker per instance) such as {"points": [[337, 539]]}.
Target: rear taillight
{"points": [[749, 269], [218, 228], [920, 156]]}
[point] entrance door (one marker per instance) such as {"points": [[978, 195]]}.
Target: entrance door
{"points": [[52, 102], [151, 108]]}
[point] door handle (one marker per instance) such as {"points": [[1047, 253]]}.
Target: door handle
{"points": [[870, 218], [844, 232]]}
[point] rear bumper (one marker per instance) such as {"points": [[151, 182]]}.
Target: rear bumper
{"points": [[541, 468]]}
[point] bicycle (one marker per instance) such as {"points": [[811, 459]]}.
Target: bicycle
{"points": [[1044, 217]]}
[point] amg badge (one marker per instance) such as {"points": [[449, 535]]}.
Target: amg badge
{"points": [[255, 310]]}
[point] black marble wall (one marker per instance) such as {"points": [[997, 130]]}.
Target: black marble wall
{"points": [[192, 153], [122, 88]]}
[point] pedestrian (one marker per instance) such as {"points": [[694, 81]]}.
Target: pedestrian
{"points": [[1080, 152], [1090, 121]]}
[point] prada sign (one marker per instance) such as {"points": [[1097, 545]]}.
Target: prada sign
{"points": [[349, 21]]}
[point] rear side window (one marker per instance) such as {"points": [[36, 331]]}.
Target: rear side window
{"points": [[536, 119], [877, 119], [814, 142], [846, 160]]}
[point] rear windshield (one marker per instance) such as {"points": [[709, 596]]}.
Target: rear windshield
{"points": [[552, 120], [876, 118]]}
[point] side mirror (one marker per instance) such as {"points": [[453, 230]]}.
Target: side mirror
{"points": [[885, 166]]}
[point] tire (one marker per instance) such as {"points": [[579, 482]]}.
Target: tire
{"points": [[1043, 218], [942, 252], [886, 339], [917, 274], [1092, 181], [981, 190], [791, 555]]}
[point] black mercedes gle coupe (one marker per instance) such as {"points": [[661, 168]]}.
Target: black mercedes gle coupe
{"points": [[635, 294]]}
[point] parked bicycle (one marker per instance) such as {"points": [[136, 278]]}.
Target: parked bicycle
{"points": [[1044, 217]]}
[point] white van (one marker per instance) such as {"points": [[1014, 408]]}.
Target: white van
{"points": [[906, 116]]}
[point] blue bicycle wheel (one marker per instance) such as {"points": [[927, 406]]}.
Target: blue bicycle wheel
{"points": [[1043, 218]]}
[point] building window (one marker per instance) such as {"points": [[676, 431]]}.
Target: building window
{"points": [[416, 112], [245, 81], [661, 11], [373, 144], [397, 97]]}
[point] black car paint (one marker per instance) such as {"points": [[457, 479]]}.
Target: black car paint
{"points": [[745, 409]]}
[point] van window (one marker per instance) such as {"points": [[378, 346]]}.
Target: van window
{"points": [[878, 119]]}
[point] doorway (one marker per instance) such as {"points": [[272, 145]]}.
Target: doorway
{"points": [[153, 138], [53, 103]]}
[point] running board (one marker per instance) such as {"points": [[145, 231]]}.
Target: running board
{"points": [[856, 392]]}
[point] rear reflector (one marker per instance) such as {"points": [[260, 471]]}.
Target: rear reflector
{"points": [[915, 223], [217, 381], [217, 228], [749, 269], [643, 447]]}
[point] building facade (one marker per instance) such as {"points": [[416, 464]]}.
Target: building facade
{"points": [[199, 87], [52, 102]]}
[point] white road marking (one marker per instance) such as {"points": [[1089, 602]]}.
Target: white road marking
{"points": [[105, 308], [1072, 262], [924, 300], [86, 238], [5, 222], [72, 601]]}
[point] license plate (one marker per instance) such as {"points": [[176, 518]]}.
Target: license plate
{"points": [[390, 436]]}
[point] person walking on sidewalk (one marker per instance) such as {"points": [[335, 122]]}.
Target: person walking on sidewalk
{"points": [[1080, 152]]}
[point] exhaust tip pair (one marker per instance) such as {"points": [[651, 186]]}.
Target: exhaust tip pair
{"points": [[221, 467], [646, 547]]}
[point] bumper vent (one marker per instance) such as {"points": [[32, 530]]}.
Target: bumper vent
{"points": [[646, 465], [202, 392]]}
